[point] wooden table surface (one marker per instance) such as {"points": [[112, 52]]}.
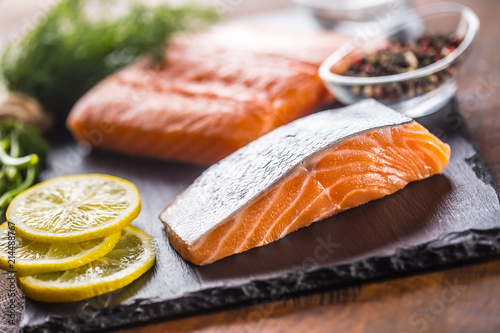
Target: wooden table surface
{"points": [[464, 298]]}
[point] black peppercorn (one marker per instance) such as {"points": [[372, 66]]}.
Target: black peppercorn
{"points": [[401, 57]]}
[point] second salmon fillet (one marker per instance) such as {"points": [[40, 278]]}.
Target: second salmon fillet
{"points": [[298, 174], [217, 91]]}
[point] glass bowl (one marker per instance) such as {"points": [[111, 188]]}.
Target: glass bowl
{"points": [[345, 15], [440, 18]]}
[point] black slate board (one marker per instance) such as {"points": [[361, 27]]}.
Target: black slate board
{"points": [[445, 219]]}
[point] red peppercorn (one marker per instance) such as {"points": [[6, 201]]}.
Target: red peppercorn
{"points": [[454, 39], [424, 45], [357, 60], [367, 68], [447, 50], [378, 91], [397, 57]]}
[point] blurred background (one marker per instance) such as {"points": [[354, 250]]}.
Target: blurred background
{"points": [[17, 16]]}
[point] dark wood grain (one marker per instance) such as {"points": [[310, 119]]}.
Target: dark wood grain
{"points": [[409, 304], [11, 303]]}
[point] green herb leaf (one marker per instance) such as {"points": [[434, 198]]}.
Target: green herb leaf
{"points": [[68, 52], [22, 156]]}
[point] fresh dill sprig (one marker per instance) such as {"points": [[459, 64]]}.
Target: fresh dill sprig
{"points": [[68, 52]]}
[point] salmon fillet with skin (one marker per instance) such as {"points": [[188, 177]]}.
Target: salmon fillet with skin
{"points": [[300, 173], [217, 91]]}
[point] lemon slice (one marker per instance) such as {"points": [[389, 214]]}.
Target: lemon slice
{"points": [[30, 257], [74, 208], [131, 257]]}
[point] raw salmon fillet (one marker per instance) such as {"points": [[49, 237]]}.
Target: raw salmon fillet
{"points": [[300, 173], [217, 91]]}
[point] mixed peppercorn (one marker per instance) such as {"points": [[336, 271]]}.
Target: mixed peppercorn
{"points": [[401, 57]]}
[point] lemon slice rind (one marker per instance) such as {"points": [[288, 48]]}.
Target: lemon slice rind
{"points": [[41, 288], [26, 260], [20, 211]]}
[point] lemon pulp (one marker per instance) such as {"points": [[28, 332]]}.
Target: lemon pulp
{"points": [[74, 208], [131, 257], [29, 257]]}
